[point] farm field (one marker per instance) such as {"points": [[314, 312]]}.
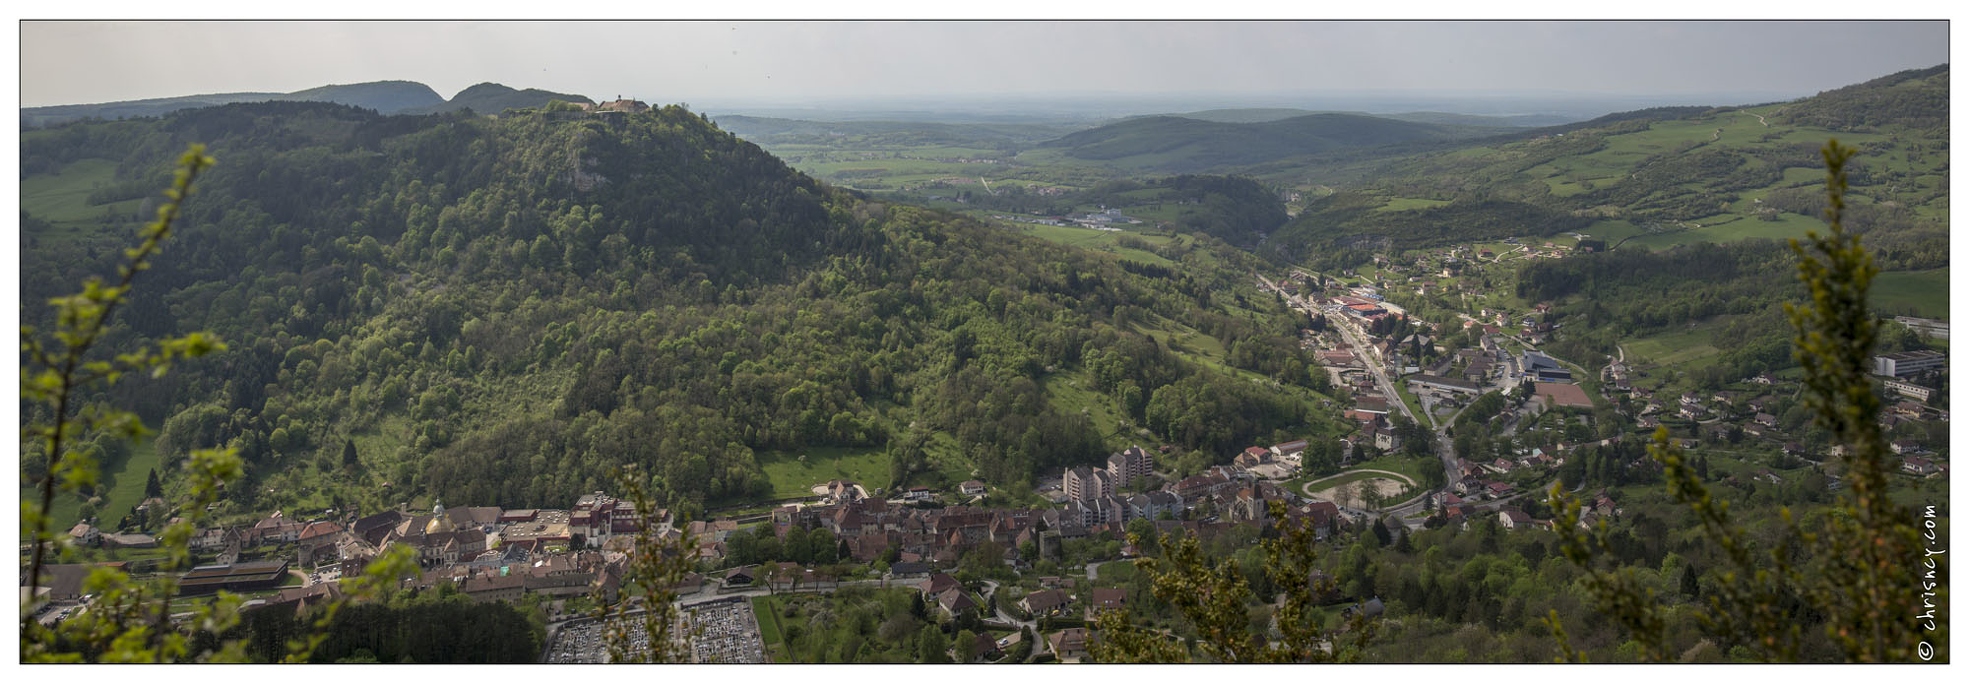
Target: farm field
{"points": [[1733, 229], [63, 198], [1925, 292], [1100, 240], [1680, 348]]}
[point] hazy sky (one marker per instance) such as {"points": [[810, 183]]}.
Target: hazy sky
{"points": [[710, 63]]}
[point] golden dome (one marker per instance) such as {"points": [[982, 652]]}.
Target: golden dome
{"points": [[440, 523]]}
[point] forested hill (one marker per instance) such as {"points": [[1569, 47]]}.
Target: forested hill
{"points": [[1650, 179], [498, 311], [387, 97]]}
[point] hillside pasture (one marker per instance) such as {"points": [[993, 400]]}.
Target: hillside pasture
{"points": [[1682, 348], [1099, 240], [794, 474], [1925, 292], [121, 488], [62, 198]]}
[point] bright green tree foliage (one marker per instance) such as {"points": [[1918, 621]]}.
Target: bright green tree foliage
{"points": [[1847, 572]]}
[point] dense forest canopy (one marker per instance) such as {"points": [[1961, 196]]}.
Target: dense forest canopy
{"points": [[502, 309]]}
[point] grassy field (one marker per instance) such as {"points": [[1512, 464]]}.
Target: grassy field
{"points": [[1409, 203], [1072, 393], [1731, 229], [766, 609], [947, 461], [63, 198], [1680, 348], [1099, 240], [794, 477], [1926, 292], [1112, 574], [123, 488]]}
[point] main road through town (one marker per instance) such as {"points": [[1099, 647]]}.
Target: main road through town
{"points": [[1370, 358]]}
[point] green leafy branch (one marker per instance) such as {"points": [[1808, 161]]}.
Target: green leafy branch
{"points": [[129, 621], [1848, 571]]}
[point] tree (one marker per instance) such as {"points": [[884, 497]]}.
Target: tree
{"points": [[153, 488], [349, 459], [1849, 570], [131, 620], [1214, 599], [128, 622], [931, 647], [656, 568], [967, 640]]}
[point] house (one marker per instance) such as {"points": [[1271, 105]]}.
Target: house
{"points": [[1045, 602], [1919, 466], [1106, 599], [275, 530], [1385, 439], [316, 538], [85, 535], [937, 584], [956, 601], [1512, 518], [1069, 644], [1906, 446], [971, 488], [843, 491]]}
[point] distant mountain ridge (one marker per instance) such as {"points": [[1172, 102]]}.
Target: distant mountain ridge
{"points": [[1176, 144], [386, 97], [1262, 115]]}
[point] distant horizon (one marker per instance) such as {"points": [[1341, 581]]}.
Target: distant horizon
{"points": [[1094, 104], [828, 63]]}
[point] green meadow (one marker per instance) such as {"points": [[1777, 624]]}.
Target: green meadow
{"points": [[1924, 293]]}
